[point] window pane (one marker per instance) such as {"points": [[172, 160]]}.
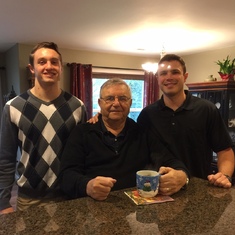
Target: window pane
{"points": [[137, 89], [96, 84]]}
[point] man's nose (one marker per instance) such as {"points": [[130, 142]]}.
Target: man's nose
{"points": [[48, 64], [116, 100]]}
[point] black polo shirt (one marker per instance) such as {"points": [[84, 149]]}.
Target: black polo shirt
{"points": [[191, 132], [111, 140]]}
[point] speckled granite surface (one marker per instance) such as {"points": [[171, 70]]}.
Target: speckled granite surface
{"points": [[201, 209]]}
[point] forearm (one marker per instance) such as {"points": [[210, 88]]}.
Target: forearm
{"points": [[74, 184], [7, 180], [8, 153], [166, 159], [226, 162], [225, 169], [178, 165]]}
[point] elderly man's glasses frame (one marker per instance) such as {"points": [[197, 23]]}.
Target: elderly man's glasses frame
{"points": [[111, 99]]}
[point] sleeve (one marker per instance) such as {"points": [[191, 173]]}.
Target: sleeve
{"points": [[217, 132], [143, 119], [84, 114], [8, 154], [72, 173], [161, 156]]}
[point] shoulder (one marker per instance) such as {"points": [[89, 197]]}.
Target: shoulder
{"points": [[68, 96], [202, 103], [131, 123], [87, 127], [149, 112], [134, 128], [203, 109], [71, 99], [154, 105], [19, 100], [80, 130]]}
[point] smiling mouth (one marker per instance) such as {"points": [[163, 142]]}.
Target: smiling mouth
{"points": [[49, 74], [170, 83]]}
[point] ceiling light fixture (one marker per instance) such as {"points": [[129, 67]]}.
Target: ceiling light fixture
{"points": [[163, 52], [152, 67]]}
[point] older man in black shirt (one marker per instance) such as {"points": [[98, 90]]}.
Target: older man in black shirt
{"points": [[105, 156]]}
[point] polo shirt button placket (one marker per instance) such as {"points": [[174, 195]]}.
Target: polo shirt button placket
{"points": [[172, 122]]}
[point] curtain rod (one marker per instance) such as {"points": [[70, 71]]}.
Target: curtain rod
{"points": [[69, 64], [104, 67]]}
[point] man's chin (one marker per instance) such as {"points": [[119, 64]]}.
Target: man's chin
{"points": [[169, 92], [50, 80], [115, 115]]}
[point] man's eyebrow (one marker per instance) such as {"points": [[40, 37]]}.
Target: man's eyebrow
{"points": [[55, 58], [162, 71], [41, 58], [170, 69], [52, 58]]}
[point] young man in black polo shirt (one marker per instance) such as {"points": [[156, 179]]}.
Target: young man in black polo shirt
{"points": [[190, 127]]}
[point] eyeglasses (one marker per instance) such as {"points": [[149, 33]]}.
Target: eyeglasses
{"points": [[111, 99]]}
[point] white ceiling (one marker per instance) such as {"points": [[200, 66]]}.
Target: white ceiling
{"points": [[138, 27]]}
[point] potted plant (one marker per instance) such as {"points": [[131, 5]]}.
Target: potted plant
{"points": [[227, 69]]}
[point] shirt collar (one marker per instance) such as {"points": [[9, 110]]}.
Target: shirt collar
{"points": [[187, 105], [105, 131]]}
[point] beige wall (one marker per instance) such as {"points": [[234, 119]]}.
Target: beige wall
{"points": [[12, 69], [199, 65], [99, 59], [84, 57]]}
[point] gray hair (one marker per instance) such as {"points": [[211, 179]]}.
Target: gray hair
{"points": [[114, 81]]}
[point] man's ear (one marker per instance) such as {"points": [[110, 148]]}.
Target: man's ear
{"points": [[31, 68], [99, 101], [185, 77]]}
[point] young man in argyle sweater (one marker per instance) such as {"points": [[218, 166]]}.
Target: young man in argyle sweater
{"points": [[38, 122]]}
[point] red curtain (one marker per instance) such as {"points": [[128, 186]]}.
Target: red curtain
{"points": [[81, 84], [151, 88]]}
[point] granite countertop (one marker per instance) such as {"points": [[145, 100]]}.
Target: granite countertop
{"points": [[200, 209]]}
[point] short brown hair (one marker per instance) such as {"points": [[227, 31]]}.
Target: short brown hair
{"points": [[171, 57], [50, 45]]}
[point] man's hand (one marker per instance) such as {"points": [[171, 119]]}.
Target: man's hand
{"points": [[220, 180], [171, 180], [100, 187], [94, 119], [6, 211]]}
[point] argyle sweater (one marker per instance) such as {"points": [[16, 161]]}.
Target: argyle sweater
{"points": [[40, 130]]}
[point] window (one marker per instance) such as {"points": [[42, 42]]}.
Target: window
{"points": [[134, 78]]}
